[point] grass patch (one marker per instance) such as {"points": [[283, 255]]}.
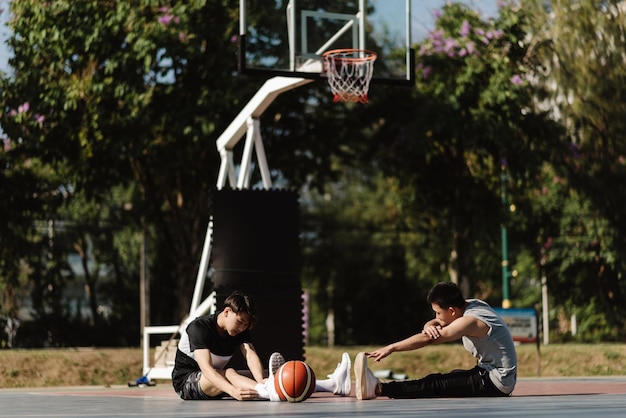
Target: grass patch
{"points": [[75, 367]]}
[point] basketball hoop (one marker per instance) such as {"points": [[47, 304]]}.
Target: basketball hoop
{"points": [[349, 72]]}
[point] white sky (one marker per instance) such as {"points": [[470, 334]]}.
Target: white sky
{"points": [[4, 33]]}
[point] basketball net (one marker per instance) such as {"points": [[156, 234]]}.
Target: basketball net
{"points": [[349, 72]]}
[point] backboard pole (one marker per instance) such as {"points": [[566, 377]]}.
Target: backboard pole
{"points": [[410, 54], [291, 34], [241, 61], [408, 25], [242, 17], [361, 17]]}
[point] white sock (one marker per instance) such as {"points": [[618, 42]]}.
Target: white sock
{"points": [[262, 391], [328, 385]]}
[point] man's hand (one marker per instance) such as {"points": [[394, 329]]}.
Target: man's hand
{"points": [[244, 394], [433, 331], [381, 353]]}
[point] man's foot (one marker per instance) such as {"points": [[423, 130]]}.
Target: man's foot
{"points": [[341, 376], [276, 360], [366, 382]]}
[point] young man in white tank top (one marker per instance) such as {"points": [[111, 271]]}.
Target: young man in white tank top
{"points": [[484, 335]]}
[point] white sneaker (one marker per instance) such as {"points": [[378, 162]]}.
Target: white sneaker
{"points": [[276, 360], [271, 390], [341, 376], [366, 382]]}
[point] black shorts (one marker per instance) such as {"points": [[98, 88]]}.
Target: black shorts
{"points": [[191, 390]]}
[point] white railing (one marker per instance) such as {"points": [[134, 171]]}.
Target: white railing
{"points": [[155, 371]]}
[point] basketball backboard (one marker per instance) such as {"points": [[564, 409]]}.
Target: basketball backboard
{"points": [[288, 37]]}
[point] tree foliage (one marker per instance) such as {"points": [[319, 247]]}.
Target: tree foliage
{"points": [[580, 46], [113, 110], [472, 117], [427, 204], [127, 92]]}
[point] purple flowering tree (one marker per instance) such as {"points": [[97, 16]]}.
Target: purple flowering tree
{"points": [[473, 108]]}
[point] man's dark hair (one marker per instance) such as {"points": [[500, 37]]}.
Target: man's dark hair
{"points": [[446, 294], [240, 303]]}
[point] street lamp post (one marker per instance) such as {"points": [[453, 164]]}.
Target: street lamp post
{"points": [[506, 273]]}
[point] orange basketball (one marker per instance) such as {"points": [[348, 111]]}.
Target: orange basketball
{"points": [[294, 381]]}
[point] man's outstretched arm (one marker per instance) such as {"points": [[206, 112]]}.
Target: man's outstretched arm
{"points": [[465, 326]]}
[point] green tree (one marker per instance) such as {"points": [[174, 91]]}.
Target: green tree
{"points": [[137, 93], [24, 195], [123, 92], [363, 266], [472, 114], [580, 46], [422, 196]]}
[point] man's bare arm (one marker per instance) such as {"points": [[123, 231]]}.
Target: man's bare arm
{"points": [[253, 361], [465, 326], [217, 381]]}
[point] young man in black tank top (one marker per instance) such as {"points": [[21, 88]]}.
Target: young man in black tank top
{"points": [[206, 346], [209, 342]]}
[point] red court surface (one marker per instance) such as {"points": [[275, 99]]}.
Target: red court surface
{"points": [[525, 387], [537, 397]]}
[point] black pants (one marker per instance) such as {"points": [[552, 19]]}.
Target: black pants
{"points": [[462, 383]]}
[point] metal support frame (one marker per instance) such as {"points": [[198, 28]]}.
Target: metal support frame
{"points": [[248, 121]]}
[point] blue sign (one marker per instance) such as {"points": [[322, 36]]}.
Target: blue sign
{"points": [[522, 323]]}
